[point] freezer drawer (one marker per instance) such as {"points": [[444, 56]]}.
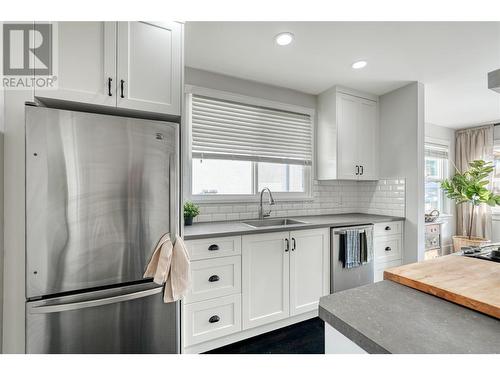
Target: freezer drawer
{"points": [[121, 320]]}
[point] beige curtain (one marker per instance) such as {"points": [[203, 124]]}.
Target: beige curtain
{"points": [[473, 144]]}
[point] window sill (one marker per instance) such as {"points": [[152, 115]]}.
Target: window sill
{"points": [[445, 216]]}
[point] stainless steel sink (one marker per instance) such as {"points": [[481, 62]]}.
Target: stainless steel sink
{"points": [[272, 222]]}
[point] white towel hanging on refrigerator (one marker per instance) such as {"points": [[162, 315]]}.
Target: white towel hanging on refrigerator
{"points": [[170, 266]]}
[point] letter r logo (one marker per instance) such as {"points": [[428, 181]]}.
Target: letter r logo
{"points": [[27, 49]]}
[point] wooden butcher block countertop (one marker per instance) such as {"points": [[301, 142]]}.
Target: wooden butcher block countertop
{"points": [[470, 282]]}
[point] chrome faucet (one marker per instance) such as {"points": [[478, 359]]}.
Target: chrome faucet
{"points": [[262, 215]]}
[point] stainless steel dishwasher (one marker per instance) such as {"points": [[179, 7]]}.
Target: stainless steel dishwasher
{"points": [[346, 278]]}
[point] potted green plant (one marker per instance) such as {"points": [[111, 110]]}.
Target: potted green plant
{"points": [[470, 187], [191, 210]]}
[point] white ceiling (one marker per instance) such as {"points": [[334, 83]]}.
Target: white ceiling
{"points": [[451, 58]]}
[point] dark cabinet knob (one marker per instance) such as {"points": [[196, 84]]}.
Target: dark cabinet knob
{"points": [[213, 278], [362, 171], [388, 248], [387, 228], [214, 319], [213, 247]]}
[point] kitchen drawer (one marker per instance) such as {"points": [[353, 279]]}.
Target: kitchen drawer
{"points": [[212, 278], [432, 229], [388, 229], [432, 242], [387, 249], [380, 268], [214, 247], [208, 320]]}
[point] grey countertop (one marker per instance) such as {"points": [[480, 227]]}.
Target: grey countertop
{"points": [[227, 228], [387, 317]]}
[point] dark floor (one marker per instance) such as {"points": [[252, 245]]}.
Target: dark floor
{"points": [[302, 338]]}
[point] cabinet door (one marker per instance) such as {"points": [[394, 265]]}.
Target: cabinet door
{"points": [[86, 60], [265, 278], [347, 141], [150, 66], [309, 269], [367, 124]]}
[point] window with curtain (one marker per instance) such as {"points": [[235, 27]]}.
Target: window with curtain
{"points": [[496, 172], [436, 170], [238, 149]]}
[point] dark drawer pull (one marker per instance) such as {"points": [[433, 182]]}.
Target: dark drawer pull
{"points": [[121, 87], [213, 247], [387, 228], [213, 278], [109, 86], [388, 248], [213, 319]]}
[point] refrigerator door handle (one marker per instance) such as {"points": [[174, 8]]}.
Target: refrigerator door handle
{"points": [[47, 309]]}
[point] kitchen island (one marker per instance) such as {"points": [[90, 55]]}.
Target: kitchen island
{"points": [[387, 317]]}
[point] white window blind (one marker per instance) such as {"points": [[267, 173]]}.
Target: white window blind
{"points": [[434, 150], [224, 129]]}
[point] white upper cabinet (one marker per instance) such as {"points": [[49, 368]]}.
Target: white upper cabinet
{"points": [[347, 135], [149, 65], [367, 126], [85, 64], [309, 269], [347, 138], [132, 65], [265, 278]]}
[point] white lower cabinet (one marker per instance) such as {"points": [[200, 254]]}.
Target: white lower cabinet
{"points": [[277, 280], [381, 267], [283, 274], [265, 278], [388, 247], [211, 319], [309, 269], [211, 278]]}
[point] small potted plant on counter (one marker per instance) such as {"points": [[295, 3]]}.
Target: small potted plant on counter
{"points": [[469, 187], [191, 210]]}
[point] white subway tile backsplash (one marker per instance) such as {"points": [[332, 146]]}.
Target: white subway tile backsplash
{"points": [[219, 217], [383, 197], [226, 209]]}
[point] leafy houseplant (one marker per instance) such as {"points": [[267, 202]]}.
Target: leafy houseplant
{"points": [[191, 210], [469, 187]]}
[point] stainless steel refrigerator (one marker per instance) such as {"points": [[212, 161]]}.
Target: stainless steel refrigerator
{"points": [[100, 192]]}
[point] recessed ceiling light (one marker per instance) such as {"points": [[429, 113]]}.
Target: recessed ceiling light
{"points": [[284, 39], [359, 64]]}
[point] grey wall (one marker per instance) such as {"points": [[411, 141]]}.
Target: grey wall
{"points": [[217, 81], [402, 134], [447, 218], [2, 127]]}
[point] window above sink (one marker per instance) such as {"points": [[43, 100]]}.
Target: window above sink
{"points": [[239, 145]]}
